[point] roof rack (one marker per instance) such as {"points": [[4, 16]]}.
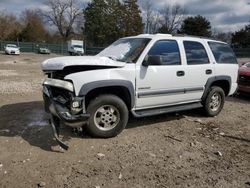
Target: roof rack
{"points": [[163, 34], [158, 34], [194, 36]]}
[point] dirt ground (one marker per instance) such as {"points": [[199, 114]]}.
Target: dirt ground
{"points": [[175, 150]]}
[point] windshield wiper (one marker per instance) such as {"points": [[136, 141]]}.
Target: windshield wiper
{"points": [[114, 58]]}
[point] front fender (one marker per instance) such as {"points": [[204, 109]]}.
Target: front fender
{"points": [[85, 80]]}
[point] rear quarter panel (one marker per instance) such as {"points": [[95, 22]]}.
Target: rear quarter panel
{"points": [[231, 70]]}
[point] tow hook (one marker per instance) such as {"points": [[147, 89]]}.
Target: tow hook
{"points": [[55, 127]]}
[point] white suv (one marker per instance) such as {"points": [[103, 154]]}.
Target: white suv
{"points": [[145, 75]]}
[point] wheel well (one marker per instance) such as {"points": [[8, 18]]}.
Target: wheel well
{"points": [[120, 91], [223, 84]]}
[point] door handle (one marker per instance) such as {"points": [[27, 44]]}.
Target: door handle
{"points": [[180, 73], [209, 71]]}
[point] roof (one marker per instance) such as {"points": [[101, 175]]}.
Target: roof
{"points": [[162, 36]]}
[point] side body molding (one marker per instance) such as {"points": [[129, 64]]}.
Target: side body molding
{"points": [[109, 83]]}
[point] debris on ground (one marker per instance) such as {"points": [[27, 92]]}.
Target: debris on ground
{"points": [[100, 155], [152, 154], [218, 153], [41, 184], [192, 144], [120, 176], [199, 121], [173, 138]]}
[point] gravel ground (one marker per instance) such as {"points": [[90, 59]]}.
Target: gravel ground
{"points": [[175, 150]]}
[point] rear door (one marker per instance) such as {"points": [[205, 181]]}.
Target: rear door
{"points": [[199, 67]]}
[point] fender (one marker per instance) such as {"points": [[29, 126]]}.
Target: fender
{"points": [[108, 83], [211, 80]]}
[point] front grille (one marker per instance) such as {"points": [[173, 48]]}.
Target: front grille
{"points": [[61, 95], [244, 80]]}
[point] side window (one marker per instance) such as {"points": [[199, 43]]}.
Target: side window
{"points": [[168, 50], [196, 53], [222, 53]]}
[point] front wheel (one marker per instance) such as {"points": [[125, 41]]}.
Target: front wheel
{"points": [[108, 116], [214, 101]]}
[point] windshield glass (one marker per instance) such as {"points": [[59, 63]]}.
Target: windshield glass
{"points": [[247, 64], [77, 46], [126, 49], [11, 45]]}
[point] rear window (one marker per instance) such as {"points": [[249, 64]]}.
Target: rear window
{"points": [[222, 53]]}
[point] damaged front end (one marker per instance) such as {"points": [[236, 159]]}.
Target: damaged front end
{"points": [[64, 107]]}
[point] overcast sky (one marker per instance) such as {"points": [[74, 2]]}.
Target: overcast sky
{"points": [[224, 15]]}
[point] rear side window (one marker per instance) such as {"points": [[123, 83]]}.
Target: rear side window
{"points": [[222, 53], [168, 50], [196, 53]]}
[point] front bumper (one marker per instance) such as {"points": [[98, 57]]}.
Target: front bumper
{"points": [[12, 52], [59, 106], [63, 113]]}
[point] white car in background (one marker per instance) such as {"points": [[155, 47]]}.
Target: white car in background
{"points": [[12, 49]]}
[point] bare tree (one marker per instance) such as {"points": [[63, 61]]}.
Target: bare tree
{"points": [[173, 16], [63, 14], [147, 7], [9, 26], [33, 27], [223, 36], [155, 22]]}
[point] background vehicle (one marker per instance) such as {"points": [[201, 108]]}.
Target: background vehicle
{"points": [[44, 50], [145, 75], [244, 78], [12, 49], [76, 47]]}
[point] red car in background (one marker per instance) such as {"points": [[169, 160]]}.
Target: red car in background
{"points": [[244, 78]]}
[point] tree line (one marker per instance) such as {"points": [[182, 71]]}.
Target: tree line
{"points": [[102, 22]]}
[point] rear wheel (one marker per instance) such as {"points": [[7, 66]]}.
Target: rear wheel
{"points": [[214, 101], [108, 116]]}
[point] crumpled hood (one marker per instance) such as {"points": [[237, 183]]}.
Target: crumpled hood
{"points": [[59, 63]]}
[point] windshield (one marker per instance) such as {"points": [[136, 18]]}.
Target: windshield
{"points": [[77, 46], [11, 45], [126, 49], [247, 64]]}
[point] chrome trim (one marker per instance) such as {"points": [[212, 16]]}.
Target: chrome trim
{"points": [[145, 94], [59, 83]]}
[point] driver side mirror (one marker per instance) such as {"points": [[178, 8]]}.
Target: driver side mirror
{"points": [[152, 60]]}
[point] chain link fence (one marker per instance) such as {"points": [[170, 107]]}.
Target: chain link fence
{"points": [[60, 48], [242, 52]]}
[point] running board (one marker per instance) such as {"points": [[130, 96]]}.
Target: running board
{"points": [[163, 110]]}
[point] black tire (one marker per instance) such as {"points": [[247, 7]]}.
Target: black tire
{"points": [[212, 107], [100, 109]]}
